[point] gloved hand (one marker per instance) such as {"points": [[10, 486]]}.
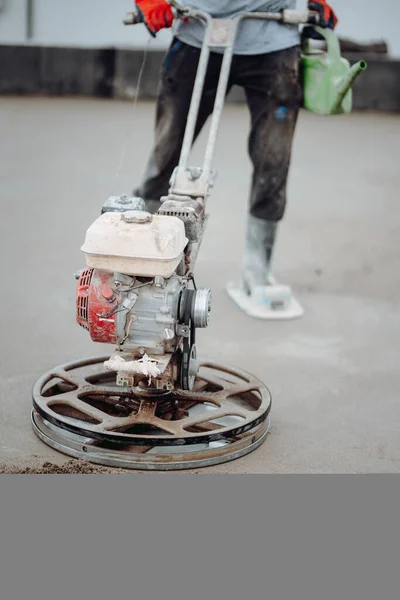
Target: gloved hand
{"points": [[157, 14], [327, 17]]}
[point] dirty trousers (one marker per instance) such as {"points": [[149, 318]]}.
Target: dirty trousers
{"points": [[273, 91]]}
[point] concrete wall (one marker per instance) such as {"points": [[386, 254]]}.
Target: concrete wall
{"points": [[111, 73], [97, 23]]}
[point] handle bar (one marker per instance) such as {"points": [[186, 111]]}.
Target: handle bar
{"points": [[292, 17]]}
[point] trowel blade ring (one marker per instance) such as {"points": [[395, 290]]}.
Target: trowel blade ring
{"points": [[148, 458], [80, 401]]}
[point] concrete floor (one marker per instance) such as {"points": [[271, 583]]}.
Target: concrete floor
{"points": [[334, 374]]}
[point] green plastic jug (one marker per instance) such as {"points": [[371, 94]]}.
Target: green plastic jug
{"points": [[328, 77]]}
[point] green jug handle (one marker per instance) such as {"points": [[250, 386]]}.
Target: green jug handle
{"points": [[332, 40]]}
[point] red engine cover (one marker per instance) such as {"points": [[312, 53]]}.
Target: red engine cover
{"points": [[95, 300]]}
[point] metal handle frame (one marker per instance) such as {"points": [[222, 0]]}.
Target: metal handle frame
{"points": [[184, 181], [195, 182]]}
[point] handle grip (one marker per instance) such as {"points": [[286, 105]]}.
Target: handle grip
{"points": [[133, 18], [136, 16], [298, 17]]}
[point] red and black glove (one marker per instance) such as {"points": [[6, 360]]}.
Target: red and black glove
{"points": [[156, 14], [327, 17]]}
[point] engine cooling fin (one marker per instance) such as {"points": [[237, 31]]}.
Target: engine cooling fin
{"points": [[78, 410]]}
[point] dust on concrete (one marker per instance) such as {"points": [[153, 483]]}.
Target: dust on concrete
{"points": [[72, 467]]}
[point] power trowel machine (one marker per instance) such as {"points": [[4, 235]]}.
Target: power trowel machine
{"points": [[153, 404]]}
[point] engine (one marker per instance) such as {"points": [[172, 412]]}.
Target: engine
{"points": [[132, 295]]}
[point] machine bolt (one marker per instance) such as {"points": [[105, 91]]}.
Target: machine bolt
{"points": [[159, 281], [168, 335], [194, 173]]}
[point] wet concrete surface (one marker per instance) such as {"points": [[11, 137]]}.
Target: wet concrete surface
{"points": [[334, 375]]}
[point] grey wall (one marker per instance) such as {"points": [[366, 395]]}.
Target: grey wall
{"points": [[112, 73]]}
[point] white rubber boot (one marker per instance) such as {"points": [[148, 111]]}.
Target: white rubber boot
{"points": [[258, 294]]}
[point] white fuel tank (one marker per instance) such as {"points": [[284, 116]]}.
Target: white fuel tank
{"points": [[135, 243]]}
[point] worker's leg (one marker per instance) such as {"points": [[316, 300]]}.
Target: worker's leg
{"points": [[273, 91], [173, 102]]}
